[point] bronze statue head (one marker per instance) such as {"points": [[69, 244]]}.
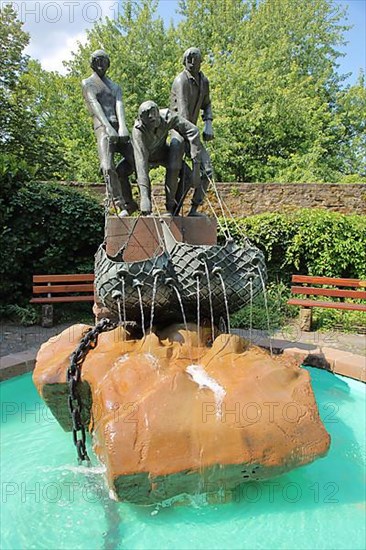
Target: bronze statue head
{"points": [[192, 60], [149, 115], [100, 62]]}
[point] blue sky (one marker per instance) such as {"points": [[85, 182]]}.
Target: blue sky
{"points": [[355, 51], [56, 26]]}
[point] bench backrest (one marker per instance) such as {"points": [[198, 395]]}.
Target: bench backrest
{"points": [[356, 284], [78, 287]]}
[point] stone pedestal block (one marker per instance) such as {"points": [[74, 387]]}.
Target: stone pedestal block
{"points": [[143, 236]]}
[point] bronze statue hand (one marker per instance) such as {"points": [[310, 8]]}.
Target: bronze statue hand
{"points": [[124, 137], [208, 133], [112, 134]]}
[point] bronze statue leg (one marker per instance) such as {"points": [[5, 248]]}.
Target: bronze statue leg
{"points": [[175, 159], [184, 185], [106, 152], [124, 169], [206, 173]]}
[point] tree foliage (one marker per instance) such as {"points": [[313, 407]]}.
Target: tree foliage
{"points": [[24, 134], [282, 112]]}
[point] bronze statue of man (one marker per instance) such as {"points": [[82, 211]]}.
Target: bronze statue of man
{"points": [[149, 139], [189, 96], [104, 101]]}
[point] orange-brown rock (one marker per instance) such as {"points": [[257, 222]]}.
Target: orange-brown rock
{"points": [[170, 415]]}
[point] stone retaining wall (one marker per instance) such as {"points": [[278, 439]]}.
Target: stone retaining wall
{"points": [[246, 199]]}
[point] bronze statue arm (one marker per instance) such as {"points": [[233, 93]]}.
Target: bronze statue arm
{"points": [[97, 110], [181, 89], [191, 133], [207, 116], [122, 128]]}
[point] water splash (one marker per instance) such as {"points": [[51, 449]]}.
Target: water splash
{"points": [[210, 300], [88, 470], [266, 307], [142, 311], [226, 302], [203, 380], [112, 495], [123, 359], [154, 361]]}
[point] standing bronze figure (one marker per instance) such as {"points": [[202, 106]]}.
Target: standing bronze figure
{"points": [[104, 101], [189, 96]]}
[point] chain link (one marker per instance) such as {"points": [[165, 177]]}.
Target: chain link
{"points": [[89, 341]]}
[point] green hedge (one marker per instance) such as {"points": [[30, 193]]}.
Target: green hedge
{"points": [[307, 241], [45, 228]]}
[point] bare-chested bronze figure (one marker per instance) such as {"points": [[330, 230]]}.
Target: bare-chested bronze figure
{"points": [[104, 100]]}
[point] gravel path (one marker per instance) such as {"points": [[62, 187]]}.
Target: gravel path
{"points": [[15, 338]]}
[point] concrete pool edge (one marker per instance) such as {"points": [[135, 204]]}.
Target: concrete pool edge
{"points": [[16, 364], [333, 360], [337, 361]]}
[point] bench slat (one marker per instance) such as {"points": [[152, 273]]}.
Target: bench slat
{"points": [[327, 281], [55, 289], [77, 278], [308, 290], [331, 305], [59, 299]]}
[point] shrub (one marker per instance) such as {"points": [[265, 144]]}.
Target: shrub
{"points": [[46, 228], [262, 316], [307, 241]]}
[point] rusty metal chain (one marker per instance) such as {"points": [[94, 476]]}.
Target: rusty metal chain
{"points": [[89, 341]]}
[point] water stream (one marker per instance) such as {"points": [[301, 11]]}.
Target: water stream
{"points": [[226, 302], [267, 311], [153, 306], [251, 311], [210, 301], [184, 320], [124, 302], [181, 307], [198, 310], [119, 311], [142, 311]]}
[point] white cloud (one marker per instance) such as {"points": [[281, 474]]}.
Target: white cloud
{"points": [[54, 61], [56, 26]]}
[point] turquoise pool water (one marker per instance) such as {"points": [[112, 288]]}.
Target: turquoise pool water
{"points": [[48, 502]]}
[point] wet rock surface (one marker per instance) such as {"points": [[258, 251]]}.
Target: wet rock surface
{"points": [[171, 415]]}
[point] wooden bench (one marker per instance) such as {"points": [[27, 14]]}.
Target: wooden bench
{"points": [[51, 289], [338, 291]]}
